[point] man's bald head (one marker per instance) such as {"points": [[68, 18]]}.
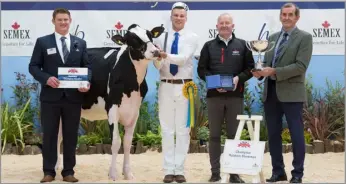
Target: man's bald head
{"points": [[225, 25]]}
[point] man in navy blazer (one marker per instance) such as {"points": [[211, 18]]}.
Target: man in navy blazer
{"points": [[59, 49]]}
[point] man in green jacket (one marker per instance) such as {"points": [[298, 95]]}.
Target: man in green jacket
{"points": [[284, 91]]}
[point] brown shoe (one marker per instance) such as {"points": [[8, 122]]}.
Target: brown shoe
{"points": [[180, 178], [70, 178], [168, 178], [47, 178]]}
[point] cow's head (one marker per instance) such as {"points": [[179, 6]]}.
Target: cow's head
{"points": [[140, 41]]}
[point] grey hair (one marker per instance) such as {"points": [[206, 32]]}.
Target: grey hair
{"points": [[224, 14], [289, 5]]}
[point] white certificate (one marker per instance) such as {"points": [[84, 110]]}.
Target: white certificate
{"points": [[242, 157], [73, 77]]}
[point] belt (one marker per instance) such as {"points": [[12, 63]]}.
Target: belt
{"points": [[176, 81]]}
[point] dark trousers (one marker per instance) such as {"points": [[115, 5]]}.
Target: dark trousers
{"points": [[50, 118], [220, 110], [274, 111]]}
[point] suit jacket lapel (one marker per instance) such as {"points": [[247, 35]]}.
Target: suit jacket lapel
{"points": [[290, 40], [56, 47]]}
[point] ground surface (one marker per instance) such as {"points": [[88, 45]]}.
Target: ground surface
{"points": [[147, 168]]}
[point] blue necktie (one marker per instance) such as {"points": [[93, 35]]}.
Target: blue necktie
{"points": [[173, 68], [64, 49], [283, 40]]}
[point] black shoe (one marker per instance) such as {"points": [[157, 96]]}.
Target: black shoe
{"points": [[235, 178], [276, 178], [180, 178], [295, 180], [168, 178], [215, 177]]}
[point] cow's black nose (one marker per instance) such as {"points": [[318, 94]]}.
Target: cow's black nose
{"points": [[156, 53]]}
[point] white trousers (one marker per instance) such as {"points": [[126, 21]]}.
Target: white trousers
{"points": [[173, 116]]}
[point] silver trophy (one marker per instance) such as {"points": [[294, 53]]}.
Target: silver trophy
{"points": [[259, 46]]}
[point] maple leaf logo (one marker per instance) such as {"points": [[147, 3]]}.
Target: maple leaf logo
{"points": [[118, 25], [244, 145], [15, 26], [326, 24]]}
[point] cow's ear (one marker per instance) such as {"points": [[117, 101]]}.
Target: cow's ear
{"points": [[118, 39], [157, 31]]}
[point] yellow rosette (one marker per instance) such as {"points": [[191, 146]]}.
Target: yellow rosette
{"points": [[190, 92]]}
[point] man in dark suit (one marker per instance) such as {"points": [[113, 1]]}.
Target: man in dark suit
{"points": [[284, 91], [59, 49]]}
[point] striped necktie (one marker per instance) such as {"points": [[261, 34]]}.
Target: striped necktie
{"points": [[280, 47], [64, 49], [173, 68]]}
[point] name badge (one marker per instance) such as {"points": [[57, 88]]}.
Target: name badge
{"points": [[51, 51], [235, 53]]}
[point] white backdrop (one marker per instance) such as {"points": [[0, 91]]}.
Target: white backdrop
{"points": [[18, 39]]}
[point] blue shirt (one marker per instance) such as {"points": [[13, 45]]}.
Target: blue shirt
{"points": [[280, 38]]}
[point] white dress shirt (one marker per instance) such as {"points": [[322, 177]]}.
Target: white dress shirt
{"points": [[224, 40], [187, 45], [59, 44]]}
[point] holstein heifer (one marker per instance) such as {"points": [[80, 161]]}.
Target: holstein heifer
{"points": [[118, 87]]}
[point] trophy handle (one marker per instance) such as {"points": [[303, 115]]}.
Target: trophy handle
{"points": [[248, 45], [271, 45]]}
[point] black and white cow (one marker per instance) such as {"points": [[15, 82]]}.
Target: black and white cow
{"points": [[118, 87]]}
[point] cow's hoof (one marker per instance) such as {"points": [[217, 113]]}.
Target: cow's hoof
{"points": [[112, 175], [127, 173], [128, 176]]}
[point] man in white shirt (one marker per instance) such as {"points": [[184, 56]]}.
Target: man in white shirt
{"points": [[176, 68]]}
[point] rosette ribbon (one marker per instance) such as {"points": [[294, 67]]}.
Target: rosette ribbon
{"points": [[190, 92]]}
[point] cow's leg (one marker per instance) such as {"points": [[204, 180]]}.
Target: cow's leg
{"points": [[113, 118], [58, 146], [128, 136]]}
